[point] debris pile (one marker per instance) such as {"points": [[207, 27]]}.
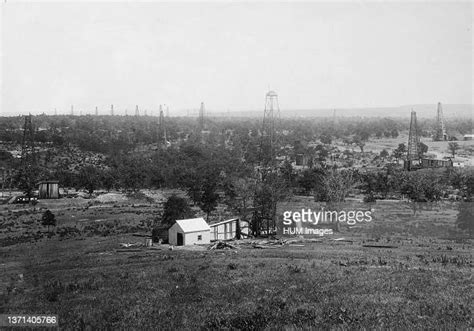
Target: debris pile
{"points": [[222, 245], [131, 245]]}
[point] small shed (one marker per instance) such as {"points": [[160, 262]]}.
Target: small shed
{"points": [[189, 232], [48, 189], [468, 137]]}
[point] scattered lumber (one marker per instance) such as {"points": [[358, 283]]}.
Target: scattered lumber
{"points": [[222, 245], [379, 246], [129, 250], [128, 245]]}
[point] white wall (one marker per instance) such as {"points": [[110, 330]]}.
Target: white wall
{"points": [[190, 238]]}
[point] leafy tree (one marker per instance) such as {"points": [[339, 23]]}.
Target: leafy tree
{"points": [[384, 154], [420, 186], [376, 184], [176, 208], [107, 179], [48, 219], [209, 197], [337, 185], [268, 191], [423, 149], [453, 147], [359, 141], [325, 139], [287, 173], [321, 152], [239, 195], [400, 151], [311, 179], [89, 178]]}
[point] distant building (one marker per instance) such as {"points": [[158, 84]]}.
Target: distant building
{"points": [[435, 163], [189, 232], [458, 164], [227, 229], [301, 160], [48, 189], [468, 137]]}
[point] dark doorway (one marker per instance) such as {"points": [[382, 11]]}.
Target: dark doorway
{"points": [[180, 239]]}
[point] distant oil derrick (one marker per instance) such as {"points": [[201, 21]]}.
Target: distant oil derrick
{"points": [[413, 155], [137, 111], [269, 139], [72, 110], [28, 169], [162, 129], [440, 132], [96, 111], [111, 110], [201, 118]]}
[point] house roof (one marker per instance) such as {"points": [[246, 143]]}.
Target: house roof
{"points": [[193, 224]]}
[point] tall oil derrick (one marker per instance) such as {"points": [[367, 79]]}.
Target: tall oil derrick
{"points": [[96, 111], [201, 118], [167, 111], [72, 110], [137, 111], [28, 170], [162, 129], [268, 167], [111, 110], [413, 155], [440, 133], [269, 139]]}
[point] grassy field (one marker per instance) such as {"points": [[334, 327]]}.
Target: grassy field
{"points": [[89, 284], [424, 281]]}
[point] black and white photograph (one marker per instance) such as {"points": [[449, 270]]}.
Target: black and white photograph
{"points": [[236, 165]]}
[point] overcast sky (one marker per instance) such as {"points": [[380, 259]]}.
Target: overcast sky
{"points": [[313, 54]]}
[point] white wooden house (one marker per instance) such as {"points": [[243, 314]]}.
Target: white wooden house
{"points": [[189, 232]]}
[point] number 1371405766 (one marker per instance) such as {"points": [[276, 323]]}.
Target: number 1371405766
{"points": [[28, 320]]}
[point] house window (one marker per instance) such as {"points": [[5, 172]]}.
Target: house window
{"points": [[199, 237]]}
